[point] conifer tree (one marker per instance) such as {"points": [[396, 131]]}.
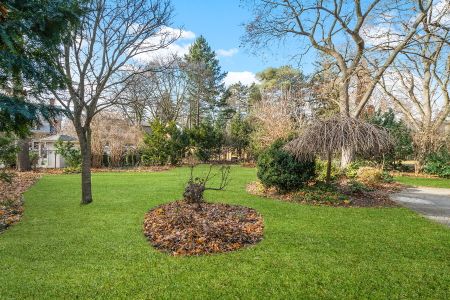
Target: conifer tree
{"points": [[205, 81]]}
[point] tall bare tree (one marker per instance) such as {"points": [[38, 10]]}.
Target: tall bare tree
{"points": [[160, 94], [418, 82], [101, 54], [347, 31]]}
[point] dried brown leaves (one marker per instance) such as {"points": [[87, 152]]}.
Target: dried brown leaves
{"points": [[179, 228], [11, 197]]}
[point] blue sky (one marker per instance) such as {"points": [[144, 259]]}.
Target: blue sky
{"points": [[220, 22]]}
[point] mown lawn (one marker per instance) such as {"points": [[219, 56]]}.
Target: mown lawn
{"points": [[63, 250], [422, 181]]}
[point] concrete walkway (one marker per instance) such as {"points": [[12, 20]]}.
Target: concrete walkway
{"points": [[432, 203]]}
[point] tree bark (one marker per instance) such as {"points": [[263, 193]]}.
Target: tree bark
{"points": [[84, 136], [329, 161], [346, 157], [23, 157]]}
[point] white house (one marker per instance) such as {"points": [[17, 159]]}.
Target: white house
{"points": [[45, 147]]}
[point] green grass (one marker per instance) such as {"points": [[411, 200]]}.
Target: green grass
{"points": [[63, 250], [422, 181]]}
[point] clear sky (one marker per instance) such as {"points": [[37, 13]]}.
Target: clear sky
{"points": [[220, 22]]}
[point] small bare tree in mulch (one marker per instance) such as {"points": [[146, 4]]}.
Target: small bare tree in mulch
{"points": [[327, 137], [196, 186], [193, 226]]}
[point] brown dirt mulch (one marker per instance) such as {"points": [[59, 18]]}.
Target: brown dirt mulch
{"points": [[377, 197], [11, 202], [179, 228]]}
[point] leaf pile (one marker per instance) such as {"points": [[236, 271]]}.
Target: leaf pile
{"points": [[180, 228], [11, 203]]}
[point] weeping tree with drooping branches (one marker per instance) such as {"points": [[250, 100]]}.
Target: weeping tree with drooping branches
{"points": [[328, 137]]}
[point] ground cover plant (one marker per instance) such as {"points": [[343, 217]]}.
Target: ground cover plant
{"points": [[60, 249]]}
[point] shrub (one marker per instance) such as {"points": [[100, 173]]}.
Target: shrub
{"points": [[206, 139], [71, 155], [321, 170], [165, 144], [278, 168], [356, 187], [369, 175], [387, 177], [34, 159], [352, 169], [320, 194], [438, 163], [401, 134]]}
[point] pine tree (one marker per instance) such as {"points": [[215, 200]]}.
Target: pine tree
{"points": [[30, 36], [205, 81]]}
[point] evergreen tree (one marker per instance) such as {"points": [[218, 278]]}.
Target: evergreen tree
{"points": [[206, 139], [30, 36], [238, 98], [401, 134], [205, 81], [165, 144], [240, 130]]}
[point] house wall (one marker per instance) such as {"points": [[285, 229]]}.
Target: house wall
{"points": [[48, 158]]}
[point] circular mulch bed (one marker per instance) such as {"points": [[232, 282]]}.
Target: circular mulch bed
{"points": [[179, 228]]}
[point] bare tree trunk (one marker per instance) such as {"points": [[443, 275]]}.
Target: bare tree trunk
{"points": [[347, 156], [197, 121], [329, 158], [347, 153], [23, 157], [84, 136]]}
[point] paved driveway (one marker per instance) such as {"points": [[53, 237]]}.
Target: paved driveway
{"points": [[433, 203]]}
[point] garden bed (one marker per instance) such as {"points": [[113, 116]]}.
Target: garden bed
{"points": [[339, 194], [11, 201], [180, 228]]}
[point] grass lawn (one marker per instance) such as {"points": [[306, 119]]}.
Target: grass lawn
{"points": [[63, 250], [422, 181]]}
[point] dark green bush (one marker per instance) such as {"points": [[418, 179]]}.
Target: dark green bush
{"points": [[401, 134], [165, 144], [438, 163], [278, 168], [206, 140]]}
